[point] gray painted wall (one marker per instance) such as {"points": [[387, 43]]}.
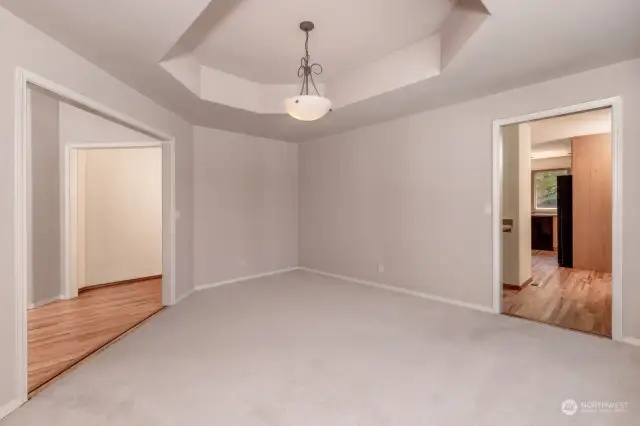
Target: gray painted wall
{"points": [[45, 284], [246, 205], [411, 193]]}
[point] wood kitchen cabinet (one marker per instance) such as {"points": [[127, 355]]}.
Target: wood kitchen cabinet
{"points": [[542, 233], [592, 202]]}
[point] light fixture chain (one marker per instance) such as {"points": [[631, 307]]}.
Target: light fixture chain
{"points": [[306, 71]]}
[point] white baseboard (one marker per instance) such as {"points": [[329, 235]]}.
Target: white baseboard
{"points": [[246, 278], [631, 341], [44, 302], [7, 409], [414, 293], [184, 296], [235, 280]]}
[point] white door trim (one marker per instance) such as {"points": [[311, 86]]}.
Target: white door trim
{"points": [[616, 138], [69, 286], [23, 79]]}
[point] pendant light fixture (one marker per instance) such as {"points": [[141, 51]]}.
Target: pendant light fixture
{"points": [[308, 107]]}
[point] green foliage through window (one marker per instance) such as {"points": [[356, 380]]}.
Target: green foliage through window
{"points": [[545, 186]]}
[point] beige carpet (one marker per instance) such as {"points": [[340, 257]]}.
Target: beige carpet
{"points": [[304, 350]]}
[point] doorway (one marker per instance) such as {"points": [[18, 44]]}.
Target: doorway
{"points": [[104, 220], [29, 225], [557, 222], [113, 196]]}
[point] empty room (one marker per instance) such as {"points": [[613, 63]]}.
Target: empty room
{"points": [[301, 212]]}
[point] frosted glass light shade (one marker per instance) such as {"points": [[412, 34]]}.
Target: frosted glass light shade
{"points": [[307, 107]]}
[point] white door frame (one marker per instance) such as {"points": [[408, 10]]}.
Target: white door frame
{"points": [[25, 79], [69, 284], [615, 104]]}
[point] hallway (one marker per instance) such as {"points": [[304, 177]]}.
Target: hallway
{"points": [[569, 298], [65, 332]]}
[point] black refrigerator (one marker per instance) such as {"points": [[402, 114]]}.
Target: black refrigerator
{"points": [[565, 221]]}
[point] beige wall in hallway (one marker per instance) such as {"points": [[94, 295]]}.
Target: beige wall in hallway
{"points": [[524, 203], [80, 126], [122, 206], [516, 203], [414, 194]]}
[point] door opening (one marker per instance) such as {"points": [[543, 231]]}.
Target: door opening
{"points": [[557, 203], [41, 213]]}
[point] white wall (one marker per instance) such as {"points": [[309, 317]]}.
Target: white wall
{"points": [[516, 203], [123, 215], [45, 281], [412, 193], [23, 46], [246, 205], [79, 126], [551, 163]]}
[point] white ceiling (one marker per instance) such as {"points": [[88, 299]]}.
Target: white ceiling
{"points": [[552, 137], [568, 126], [261, 40], [559, 148], [521, 43]]}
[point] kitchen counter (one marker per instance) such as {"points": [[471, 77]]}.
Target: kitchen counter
{"points": [[538, 214]]}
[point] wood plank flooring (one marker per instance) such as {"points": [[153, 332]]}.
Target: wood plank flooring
{"points": [[62, 333], [565, 297]]}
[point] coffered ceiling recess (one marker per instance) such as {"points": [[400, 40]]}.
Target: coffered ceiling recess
{"points": [[245, 54], [229, 64]]}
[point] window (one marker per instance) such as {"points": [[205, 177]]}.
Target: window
{"points": [[545, 189]]}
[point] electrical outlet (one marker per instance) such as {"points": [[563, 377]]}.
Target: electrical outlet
{"points": [[380, 268]]}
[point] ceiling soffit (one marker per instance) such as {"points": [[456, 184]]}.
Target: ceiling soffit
{"points": [[418, 61]]}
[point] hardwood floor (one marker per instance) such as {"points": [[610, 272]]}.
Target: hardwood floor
{"points": [[570, 298], [62, 333]]}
